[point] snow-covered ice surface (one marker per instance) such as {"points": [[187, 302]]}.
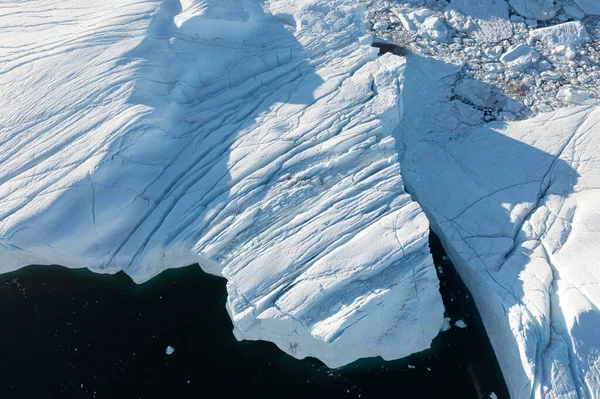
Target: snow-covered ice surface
{"points": [[254, 139], [516, 205]]}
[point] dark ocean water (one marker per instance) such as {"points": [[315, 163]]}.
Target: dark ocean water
{"points": [[74, 334]]}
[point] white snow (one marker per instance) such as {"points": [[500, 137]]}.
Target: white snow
{"points": [[170, 350], [254, 139]]}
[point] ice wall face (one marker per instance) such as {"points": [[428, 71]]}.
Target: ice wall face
{"points": [[135, 138], [516, 206]]}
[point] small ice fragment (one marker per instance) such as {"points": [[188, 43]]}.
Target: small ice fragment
{"points": [[460, 324], [520, 57], [573, 11], [170, 350], [493, 396], [380, 25], [446, 326], [410, 366], [574, 95]]}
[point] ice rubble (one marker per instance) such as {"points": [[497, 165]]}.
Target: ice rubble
{"points": [[516, 206], [254, 139], [481, 34]]}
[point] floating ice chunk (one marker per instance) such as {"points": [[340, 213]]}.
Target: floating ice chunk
{"points": [[493, 395], [446, 326], [412, 19], [535, 9], [486, 20], [520, 57], [481, 94], [563, 37], [460, 324], [574, 12], [424, 23], [589, 6], [544, 65], [434, 28], [550, 75], [380, 25], [531, 22], [576, 96], [170, 350]]}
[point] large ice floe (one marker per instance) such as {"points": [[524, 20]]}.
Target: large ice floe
{"points": [[253, 139], [270, 143]]}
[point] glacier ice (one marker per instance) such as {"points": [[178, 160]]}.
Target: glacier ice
{"points": [[254, 139], [516, 206]]}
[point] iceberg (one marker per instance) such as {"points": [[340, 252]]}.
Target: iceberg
{"points": [[272, 145], [516, 206], [254, 139]]}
